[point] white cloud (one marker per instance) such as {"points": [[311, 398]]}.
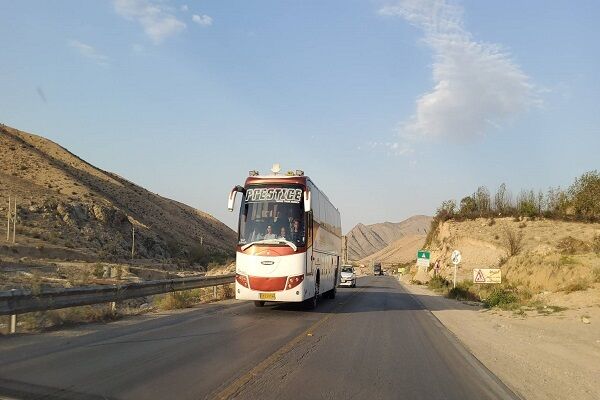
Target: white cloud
{"points": [[477, 85], [392, 148], [155, 17], [184, 8], [203, 20], [89, 52]]}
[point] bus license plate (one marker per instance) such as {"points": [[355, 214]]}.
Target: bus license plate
{"points": [[266, 296]]}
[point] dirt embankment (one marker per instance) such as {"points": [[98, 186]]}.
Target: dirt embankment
{"points": [[549, 256]]}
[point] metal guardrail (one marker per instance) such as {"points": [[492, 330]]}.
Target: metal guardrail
{"points": [[15, 302]]}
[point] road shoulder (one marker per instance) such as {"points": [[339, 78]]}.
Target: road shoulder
{"points": [[544, 357]]}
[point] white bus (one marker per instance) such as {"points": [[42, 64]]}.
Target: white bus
{"points": [[289, 240]]}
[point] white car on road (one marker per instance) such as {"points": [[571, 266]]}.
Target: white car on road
{"points": [[348, 277]]}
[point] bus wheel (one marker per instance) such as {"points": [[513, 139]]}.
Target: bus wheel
{"points": [[258, 303], [314, 301]]}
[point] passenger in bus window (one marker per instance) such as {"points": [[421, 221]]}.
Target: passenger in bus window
{"points": [[282, 233], [297, 233], [270, 234]]}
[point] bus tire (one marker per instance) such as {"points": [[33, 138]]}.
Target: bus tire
{"points": [[314, 301], [259, 303]]}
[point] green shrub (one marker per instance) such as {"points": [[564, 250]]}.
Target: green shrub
{"points": [[98, 270], [464, 291], [585, 192], [502, 297], [438, 283]]}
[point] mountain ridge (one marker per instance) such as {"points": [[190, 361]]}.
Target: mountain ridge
{"points": [[65, 201], [364, 240]]}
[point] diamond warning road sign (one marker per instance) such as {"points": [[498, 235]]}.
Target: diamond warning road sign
{"points": [[487, 275]]}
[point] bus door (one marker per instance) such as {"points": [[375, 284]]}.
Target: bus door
{"points": [[309, 242]]}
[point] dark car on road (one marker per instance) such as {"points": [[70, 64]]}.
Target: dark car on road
{"points": [[377, 270]]}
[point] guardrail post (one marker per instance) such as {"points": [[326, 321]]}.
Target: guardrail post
{"points": [[13, 323], [215, 292]]}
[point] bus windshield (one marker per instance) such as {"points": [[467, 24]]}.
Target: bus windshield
{"points": [[272, 212]]}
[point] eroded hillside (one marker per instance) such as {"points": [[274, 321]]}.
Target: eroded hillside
{"points": [[71, 209], [364, 240], [546, 255]]}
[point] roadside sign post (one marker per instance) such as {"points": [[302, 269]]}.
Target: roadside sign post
{"points": [[456, 257], [423, 257]]}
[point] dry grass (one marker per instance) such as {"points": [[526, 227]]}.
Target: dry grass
{"points": [[579, 285], [53, 319], [189, 298], [570, 245]]}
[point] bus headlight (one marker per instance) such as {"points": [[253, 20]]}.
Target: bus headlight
{"points": [[294, 281]]}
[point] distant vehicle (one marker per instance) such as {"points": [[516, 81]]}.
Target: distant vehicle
{"points": [[347, 276], [290, 240], [377, 270]]}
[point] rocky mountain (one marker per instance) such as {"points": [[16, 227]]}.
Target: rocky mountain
{"points": [[364, 240], [399, 251], [66, 203]]}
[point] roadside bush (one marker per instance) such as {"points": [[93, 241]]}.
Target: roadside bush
{"points": [[513, 241], [98, 270], [585, 192], [463, 292], [596, 244], [502, 297], [570, 245], [438, 283], [577, 286], [178, 300]]}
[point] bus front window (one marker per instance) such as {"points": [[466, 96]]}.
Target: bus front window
{"points": [[272, 213]]}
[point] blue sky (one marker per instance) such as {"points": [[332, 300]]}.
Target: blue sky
{"points": [[391, 107]]}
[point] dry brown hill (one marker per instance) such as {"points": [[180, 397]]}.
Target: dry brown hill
{"points": [[400, 251], [551, 255], [65, 202], [364, 240]]}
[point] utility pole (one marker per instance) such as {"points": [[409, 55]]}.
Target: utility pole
{"points": [[15, 220], [8, 220], [132, 241], [11, 216]]}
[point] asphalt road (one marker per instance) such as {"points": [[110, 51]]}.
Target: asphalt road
{"points": [[372, 342]]}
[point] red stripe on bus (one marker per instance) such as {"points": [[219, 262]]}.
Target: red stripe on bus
{"points": [[257, 250], [267, 284]]}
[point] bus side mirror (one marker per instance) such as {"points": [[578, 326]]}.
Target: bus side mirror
{"points": [[232, 196], [307, 207]]}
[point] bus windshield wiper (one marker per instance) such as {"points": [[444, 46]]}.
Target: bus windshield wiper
{"points": [[271, 241]]}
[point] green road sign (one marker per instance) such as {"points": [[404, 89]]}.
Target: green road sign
{"points": [[423, 258]]}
